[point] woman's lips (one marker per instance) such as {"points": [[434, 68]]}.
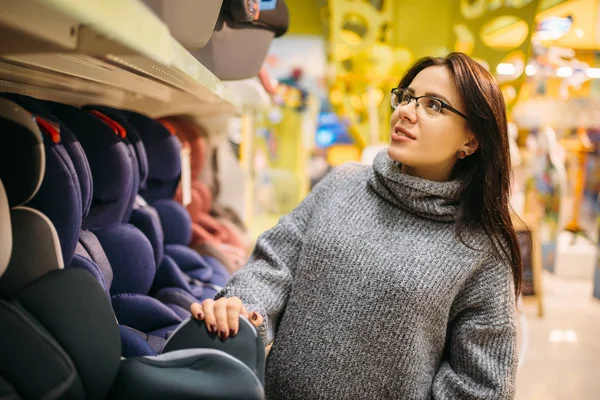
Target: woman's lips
{"points": [[402, 135]]}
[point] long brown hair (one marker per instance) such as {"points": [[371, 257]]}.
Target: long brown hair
{"points": [[485, 175]]}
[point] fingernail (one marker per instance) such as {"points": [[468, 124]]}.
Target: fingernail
{"points": [[212, 328], [223, 335], [254, 316], [231, 333], [200, 316]]}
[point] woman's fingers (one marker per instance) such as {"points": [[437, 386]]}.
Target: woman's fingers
{"points": [[197, 312], [234, 309], [208, 307], [223, 316], [244, 312], [222, 311], [256, 319]]}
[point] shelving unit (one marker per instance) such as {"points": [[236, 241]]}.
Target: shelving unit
{"points": [[113, 52], [252, 94]]}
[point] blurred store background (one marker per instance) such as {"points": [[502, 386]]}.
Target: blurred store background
{"points": [[336, 67], [275, 112]]}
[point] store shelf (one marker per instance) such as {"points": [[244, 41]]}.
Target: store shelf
{"points": [[113, 52], [252, 93]]}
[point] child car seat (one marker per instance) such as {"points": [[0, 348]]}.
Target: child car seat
{"points": [[175, 256], [58, 337], [237, 48], [109, 240], [163, 150], [58, 197], [210, 237]]}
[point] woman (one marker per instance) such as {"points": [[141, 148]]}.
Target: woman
{"points": [[396, 281]]}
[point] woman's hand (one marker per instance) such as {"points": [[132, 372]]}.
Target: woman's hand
{"points": [[223, 316]]}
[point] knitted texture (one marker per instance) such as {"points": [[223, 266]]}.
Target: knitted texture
{"points": [[369, 294]]}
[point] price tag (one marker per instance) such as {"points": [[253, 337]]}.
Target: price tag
{"points": [[186, 176]]}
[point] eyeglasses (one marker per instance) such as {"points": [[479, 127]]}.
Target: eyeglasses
{"points": [[432, 105]]}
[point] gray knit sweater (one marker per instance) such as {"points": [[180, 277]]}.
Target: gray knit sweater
{"points": [[369, 294]]}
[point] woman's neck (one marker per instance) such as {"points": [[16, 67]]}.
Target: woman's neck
{"points": [[433, 173], [419, 196]]}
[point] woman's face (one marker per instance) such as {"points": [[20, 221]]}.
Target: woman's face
{"points": [[426, 142]]}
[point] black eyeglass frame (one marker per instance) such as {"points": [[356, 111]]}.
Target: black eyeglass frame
{"points": [[397, 92]]}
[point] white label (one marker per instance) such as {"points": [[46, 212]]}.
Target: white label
{"points": [[186, 176]]}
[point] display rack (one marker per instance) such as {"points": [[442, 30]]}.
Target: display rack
{"points": [[113, 52], [251, 93]]}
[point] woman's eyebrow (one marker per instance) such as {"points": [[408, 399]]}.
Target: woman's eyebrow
{"points": [[432, 94], [437, 95]]}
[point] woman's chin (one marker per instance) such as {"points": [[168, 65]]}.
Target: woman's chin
{"points": [[396, 154]]}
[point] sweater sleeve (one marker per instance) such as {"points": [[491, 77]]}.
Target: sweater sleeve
{"points": [[481, 347], [265, 282]]}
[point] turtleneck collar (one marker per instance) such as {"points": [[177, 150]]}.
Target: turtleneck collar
{"points": [[428, 199]]}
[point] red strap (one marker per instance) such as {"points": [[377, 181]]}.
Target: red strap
{"points": [[169, 126], [49, 128], [257, 8], [119, 130]]}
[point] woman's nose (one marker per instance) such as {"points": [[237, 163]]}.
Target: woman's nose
{"points": [[407, 111]]}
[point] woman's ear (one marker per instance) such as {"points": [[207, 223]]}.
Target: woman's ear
{"points": [[471, 145]]}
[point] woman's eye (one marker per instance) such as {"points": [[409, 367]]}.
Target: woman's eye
{"points": [[434, 105]]}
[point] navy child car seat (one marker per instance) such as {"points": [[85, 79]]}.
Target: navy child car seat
{"points": [[59, 198], [107, 240], [50, 315], [147, 219], [164, 161]]}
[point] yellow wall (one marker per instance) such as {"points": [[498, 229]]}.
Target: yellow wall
{"points": [[305, 17], [423, 26]]}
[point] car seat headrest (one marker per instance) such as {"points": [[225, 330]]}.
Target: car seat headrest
{"points": [[163, 150], [36, 250], [21, 154], [193, 134], [132, 137], [236, 50], [191, 22], [242, 10], [66, 175], [109, 161], [67, 141], [277, 19], [5, 231], [35, 245]]}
